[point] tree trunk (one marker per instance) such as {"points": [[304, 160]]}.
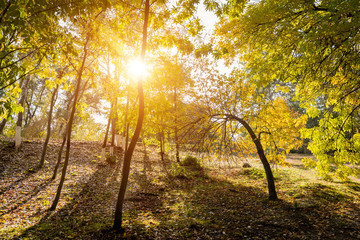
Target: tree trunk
{"points": [[127, 137], [105, 139], [30, 115], [59, 157], [113, 123], [176, 128], [126, 124], [116, 128], [161, 141], [28, 104], [117, 82], [69, 127], [162, 150], [2, 125], [128, 154], [64, 140], [48, 126], [264, 161], [107, 132], [20, 115]]}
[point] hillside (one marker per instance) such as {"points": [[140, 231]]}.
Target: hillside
{"points": [[167, 202]]}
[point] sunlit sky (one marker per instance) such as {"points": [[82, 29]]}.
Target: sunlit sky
{"points": [[208, 19]]}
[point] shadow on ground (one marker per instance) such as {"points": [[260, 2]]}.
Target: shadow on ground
{"points": [[202, 206], [208, 208]]}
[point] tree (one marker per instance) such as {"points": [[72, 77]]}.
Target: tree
{"points": [[266, 123], [36, 92], [19, 121], [68, 106], [166, 87], [128, 154], [71, 119], [316, 46], [48, 133], [29, 33], [32, 34], [261, 153], [87, 27]]}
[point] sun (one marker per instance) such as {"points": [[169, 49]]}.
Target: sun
{"points": [[137, 68]]}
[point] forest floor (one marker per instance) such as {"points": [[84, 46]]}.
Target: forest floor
{"points": [[218, 201]]}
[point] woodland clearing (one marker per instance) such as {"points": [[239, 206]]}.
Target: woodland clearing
{"points": [[163, 202]]}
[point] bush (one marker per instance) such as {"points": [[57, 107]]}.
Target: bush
{"points": [[177, 170], [191, 161], [111, 159], [189, 168]]}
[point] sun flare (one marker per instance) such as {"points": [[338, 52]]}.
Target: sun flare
{"points": [[137, 68]]}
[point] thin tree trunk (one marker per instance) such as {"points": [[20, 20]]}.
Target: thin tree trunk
{"points": [[30, 115], [161, 141], [113, 123], [20, 115], [2, 125], [176, 128], [116, 129], [162, 150], [48, 126], [127, 136], [69, 128], [59, 156], [107, 132], [117, 82], [146, 157], [105, 138], [126, 124], [260, 150], [28, 105], [128, 154], [63, 142]]}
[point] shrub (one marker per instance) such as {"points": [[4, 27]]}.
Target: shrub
{"points": [[111, 159], [191, 161], [178, 170], [189, 168]]}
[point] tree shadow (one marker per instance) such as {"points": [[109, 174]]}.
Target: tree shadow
{"points": [[17, 165], [219, 209], [87, 211], [353, 186], [16, 182], [146, 163], [196, 207], [32, 193], [189, 209]]}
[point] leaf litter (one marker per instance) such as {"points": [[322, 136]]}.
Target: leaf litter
{"points": [[219, 203]]}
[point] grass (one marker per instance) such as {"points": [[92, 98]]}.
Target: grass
{"points": [[201, 202]]}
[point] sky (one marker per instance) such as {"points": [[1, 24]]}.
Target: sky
{"points": [[207, 18]]}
